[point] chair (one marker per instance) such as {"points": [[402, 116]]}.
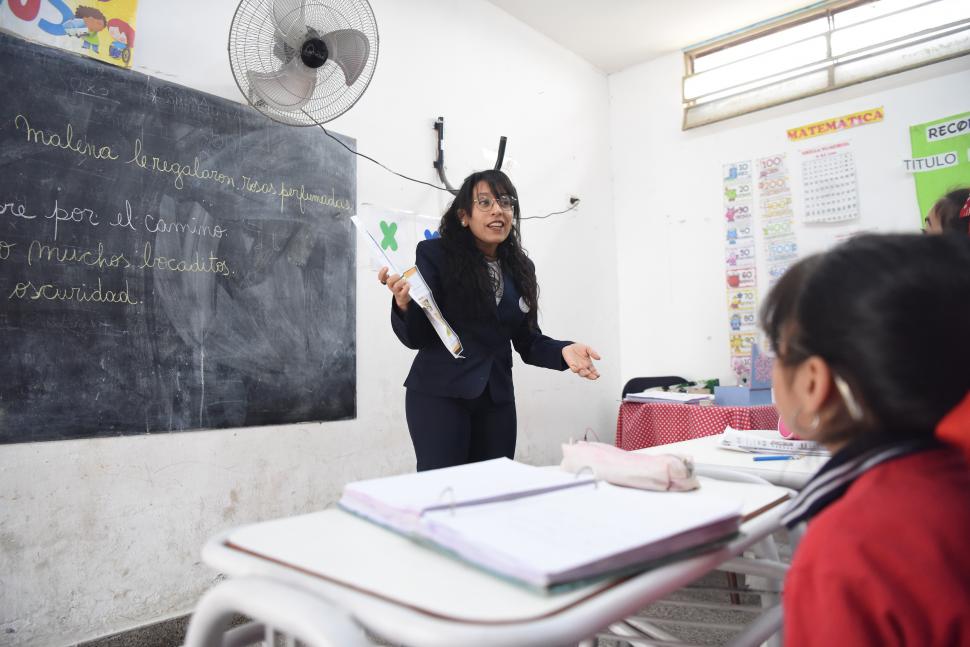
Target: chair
{"points": [[637, 384]]}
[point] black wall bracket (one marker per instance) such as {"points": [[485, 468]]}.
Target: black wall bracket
{"points": [[439, 163]]}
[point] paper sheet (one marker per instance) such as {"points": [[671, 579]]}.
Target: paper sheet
{"points": [[420, 293]]}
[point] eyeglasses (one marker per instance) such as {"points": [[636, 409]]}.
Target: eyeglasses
{"points": [[506, 202]]}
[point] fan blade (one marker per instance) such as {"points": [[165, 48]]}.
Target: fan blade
{"points": [[349, 49], [288, 89], [290, 22]]}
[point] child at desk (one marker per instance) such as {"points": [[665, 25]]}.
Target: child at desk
{"points": [[873, 346], [950, 214]]}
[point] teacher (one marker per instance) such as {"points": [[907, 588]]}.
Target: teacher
{"points": [[462, 410]]}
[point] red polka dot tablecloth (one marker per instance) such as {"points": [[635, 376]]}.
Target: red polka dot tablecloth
{"points": [[649, 424]]}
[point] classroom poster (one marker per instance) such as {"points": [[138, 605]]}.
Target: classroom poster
{"points": [[829, 184], [739, 258], [837, 124], [776, 215], [100, 29], [941, 158]]}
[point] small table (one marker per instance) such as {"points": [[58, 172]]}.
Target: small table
{"points": [[648, 424], [706, 454]]}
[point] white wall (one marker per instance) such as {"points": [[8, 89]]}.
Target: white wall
{"points": [[668, 193], [101, 535]]}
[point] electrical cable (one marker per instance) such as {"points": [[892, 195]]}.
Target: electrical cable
{"points": [[554, 213], [433, 186]]}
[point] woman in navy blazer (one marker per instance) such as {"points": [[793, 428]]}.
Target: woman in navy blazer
{"points": [[462, 410]]}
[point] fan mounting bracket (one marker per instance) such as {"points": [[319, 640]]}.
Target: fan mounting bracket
{"points": [[439, 163]]}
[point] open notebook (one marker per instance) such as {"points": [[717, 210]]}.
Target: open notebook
{"points": [[543, 527]]}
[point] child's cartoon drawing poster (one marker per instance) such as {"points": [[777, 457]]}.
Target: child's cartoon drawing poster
{"points": [[100, 29]]}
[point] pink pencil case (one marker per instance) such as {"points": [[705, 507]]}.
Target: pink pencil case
{"points": [[664, 472]]}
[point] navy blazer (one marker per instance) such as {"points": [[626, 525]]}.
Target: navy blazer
{"points": [[484, 339]]}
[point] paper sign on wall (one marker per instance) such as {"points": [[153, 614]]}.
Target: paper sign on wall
{"points": [[94, 28], [738, 181], [943, 150], [829, 184], [835, 124]]}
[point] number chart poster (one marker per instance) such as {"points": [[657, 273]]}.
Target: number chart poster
{"points": [[941, 158], [100, 29], [740, 272]]}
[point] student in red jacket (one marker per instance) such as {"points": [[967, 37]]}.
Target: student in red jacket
{"points": [[873, 346]]}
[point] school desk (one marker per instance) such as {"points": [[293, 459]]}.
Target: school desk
{"points": [[366, 576], [647, 424]]}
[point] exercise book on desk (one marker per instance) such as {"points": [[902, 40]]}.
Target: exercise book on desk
{"points": [[668, 396], [767, 442], [539, 526]]}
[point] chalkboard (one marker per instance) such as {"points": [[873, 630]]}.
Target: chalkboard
{"points": [[169, 260]]}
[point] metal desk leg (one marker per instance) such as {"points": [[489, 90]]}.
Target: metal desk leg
{"points": [[282, 608]]}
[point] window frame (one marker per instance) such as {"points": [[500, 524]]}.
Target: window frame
{"points": [[830, 63]]}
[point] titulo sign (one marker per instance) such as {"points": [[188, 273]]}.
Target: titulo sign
{"points": [[836, 124]]}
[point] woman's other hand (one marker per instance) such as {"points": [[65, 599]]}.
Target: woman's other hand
{"points": [[398, 286], [579, 358]]}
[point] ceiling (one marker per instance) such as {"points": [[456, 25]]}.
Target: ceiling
{"points": [[615, 34]]}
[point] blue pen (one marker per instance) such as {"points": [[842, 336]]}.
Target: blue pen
{"points": [[776, 457]]}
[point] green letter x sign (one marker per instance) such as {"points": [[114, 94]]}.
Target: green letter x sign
{"points": [[389, 229]]}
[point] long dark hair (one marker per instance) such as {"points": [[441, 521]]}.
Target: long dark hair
{"points": [[890, 314], [467, 281], [947, 211]]}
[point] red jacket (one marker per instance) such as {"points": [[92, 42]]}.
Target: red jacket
{"points": [[888, 563]]}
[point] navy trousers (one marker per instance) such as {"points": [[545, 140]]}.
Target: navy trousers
{"points": [[455, 431]]}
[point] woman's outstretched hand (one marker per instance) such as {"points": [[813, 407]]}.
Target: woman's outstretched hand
{"points": [[399, 287], [579, 358]]}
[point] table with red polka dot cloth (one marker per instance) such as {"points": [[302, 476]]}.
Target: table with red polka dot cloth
{"points": [[648, 424]]}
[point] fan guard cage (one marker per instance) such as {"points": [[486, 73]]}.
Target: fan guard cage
{"points": [[253, 47]]}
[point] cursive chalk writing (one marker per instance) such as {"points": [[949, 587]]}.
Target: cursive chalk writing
{"points": [[156, 225], [67, 142], [211, 265], [41, 252], [177, 169], [303, 195], [51, 292], [77, 214]]}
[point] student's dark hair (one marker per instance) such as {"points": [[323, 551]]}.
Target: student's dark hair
{"points": [[467, 280], [90, 12], [947, 211], [890, 314]]}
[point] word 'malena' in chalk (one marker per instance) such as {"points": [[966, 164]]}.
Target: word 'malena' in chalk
{"points": [[80, 146]]}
